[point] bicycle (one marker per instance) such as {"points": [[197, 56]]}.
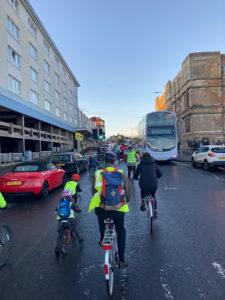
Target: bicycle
{"points": [[77, 199], [6, 243], [92, 171], [131, 171], [150, 209], [109, 244]]}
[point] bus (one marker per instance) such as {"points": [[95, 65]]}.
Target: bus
{"points": [[157, 135]]}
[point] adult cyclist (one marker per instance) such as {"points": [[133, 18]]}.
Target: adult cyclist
{"points": [[116, 215], [131, 159]]}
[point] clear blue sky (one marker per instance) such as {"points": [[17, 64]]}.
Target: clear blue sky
{"points": [[122, 51]]}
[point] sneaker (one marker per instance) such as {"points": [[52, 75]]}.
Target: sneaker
{"points": [[156, 214], [123, 264], [142, 208]]}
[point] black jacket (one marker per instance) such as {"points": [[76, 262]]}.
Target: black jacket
{"points": [[149, 172]]}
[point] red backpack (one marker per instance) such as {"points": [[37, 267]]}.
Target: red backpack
{"points": [[112, 197]]}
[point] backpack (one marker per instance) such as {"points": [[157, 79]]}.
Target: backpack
{"points": [[64, 209], [111, 196]]}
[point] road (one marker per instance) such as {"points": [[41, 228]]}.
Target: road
{"points": [[184, 259]]}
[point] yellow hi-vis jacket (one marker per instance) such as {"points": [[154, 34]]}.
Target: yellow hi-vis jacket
{"points": [[131, 157], [96, 199], [2, 201], [71, 185]]}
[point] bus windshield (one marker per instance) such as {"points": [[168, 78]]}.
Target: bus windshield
{"points": [[161, 143]]}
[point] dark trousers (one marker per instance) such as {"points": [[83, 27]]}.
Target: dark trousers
{"points": [[118, 218], [129, 169]]}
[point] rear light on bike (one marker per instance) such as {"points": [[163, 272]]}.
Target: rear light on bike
{"points": [[151, 200], [106, 269], [106, 247], [131, 171], [211, 154]]}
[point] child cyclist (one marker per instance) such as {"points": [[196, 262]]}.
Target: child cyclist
{"points": [[92, 163], [74, 186], [65, 211]]}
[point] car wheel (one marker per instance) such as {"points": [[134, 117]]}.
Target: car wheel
{"points": [[78, 170], [193, 162], [44, 190], [64, 179], [206, 166]]}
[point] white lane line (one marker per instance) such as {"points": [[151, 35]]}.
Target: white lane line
{"points": [[166, 287], [220, 270], [171, 188]]}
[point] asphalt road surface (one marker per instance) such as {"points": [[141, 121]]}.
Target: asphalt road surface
{"points": [[184, 259]]}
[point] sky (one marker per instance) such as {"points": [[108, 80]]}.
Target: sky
{"points": [[124, 51]]}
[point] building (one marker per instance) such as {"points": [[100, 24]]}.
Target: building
{"points": [[197, 96], [38, 91], [160, 103]]}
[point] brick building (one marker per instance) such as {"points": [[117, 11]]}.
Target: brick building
{"points": [[197, 96]]}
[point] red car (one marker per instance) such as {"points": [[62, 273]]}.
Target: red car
{"points": [[32, 178]]}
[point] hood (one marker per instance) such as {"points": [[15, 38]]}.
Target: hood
{"points": [[147, 160]]}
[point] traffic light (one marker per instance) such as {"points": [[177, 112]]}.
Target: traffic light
{"points": [[95, 134], [100, 134]]}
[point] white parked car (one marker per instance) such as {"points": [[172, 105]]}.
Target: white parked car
{"points": [[209, 156]]}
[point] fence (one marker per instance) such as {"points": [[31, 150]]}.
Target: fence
{"points": [[19, 157]]}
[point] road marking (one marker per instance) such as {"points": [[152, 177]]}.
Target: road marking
{"points": [[166, 287], [171, 188], [220, 270]]}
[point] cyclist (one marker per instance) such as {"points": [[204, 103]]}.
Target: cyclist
{"points": [[92, 163], [149, 172], [116, 215], [66, 195], [131, 159], [3, 203], [74, 186]]}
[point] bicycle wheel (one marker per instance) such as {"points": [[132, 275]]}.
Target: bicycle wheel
{"points": [[5, 244], [109, 262], [64, 242], [78, 201], [151, 216]]}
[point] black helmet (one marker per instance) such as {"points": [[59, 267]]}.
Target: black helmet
{"points": [[110, 155]]}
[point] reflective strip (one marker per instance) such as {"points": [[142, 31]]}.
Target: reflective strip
{"points": [[98, 181], [131, 157]]}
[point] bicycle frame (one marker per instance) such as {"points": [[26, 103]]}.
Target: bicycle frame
{"points": [[150, 209]]}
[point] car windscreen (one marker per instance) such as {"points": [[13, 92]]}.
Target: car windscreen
{"points": [[218, 150], [27, 168], [61, 158]]}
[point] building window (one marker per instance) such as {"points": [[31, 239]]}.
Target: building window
{"points": [[186, 100], [64, 101], [32, 51], [71, 94], [64, 72], [57, 111], [33, 75], [14, 4], [70, 107], [187, 125], [12, 28], [46, 67], [47, 105], [56, 61], [71, 119], [13, 57], [32, 28], [46, 47], [14, 85], [65, 116], [33, 97], [64, 87], [56, 78], [47, 86], [57, 95]]}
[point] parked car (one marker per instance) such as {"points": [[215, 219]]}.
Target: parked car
{"points": [[209, 156], [71, 162], [32, 178]]}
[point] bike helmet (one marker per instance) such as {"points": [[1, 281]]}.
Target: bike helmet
{"points": [[67, 193], [75, 177], [91, 156], [110, 155]]}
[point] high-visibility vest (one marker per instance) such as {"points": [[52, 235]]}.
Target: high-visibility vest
{"points": [[71, 185], [96, 199], [2, 201], [131, 157], [71, 213]]}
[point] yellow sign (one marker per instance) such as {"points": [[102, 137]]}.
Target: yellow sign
{"points": [[78, 136]]}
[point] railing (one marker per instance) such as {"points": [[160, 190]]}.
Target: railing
{"points": [[19, 157]]}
